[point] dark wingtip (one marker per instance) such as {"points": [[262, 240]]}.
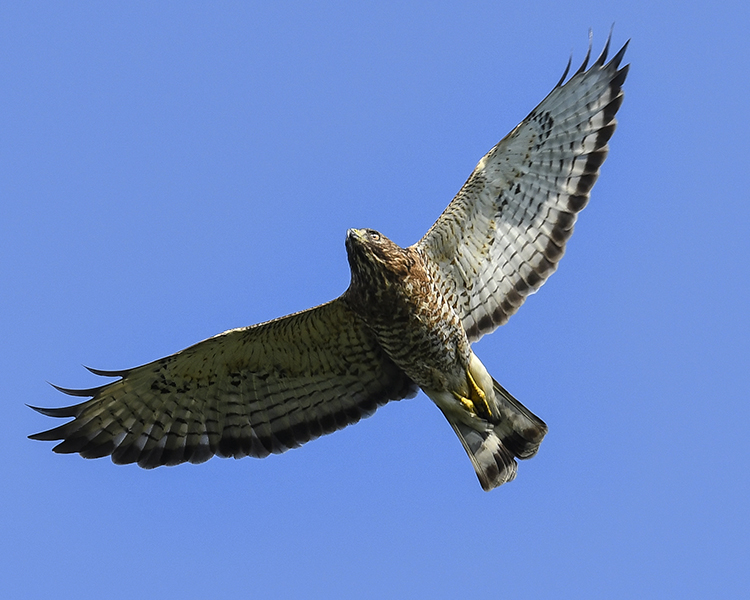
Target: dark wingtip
{"points": [[84, 393], [586, 58], [617, 58], [60, 413], [565, 73], [42, 437], [51, 435], [603, 56], [103, 373], [47, 412]]}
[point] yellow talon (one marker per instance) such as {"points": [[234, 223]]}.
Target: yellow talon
{"points": [[476, 403], [468, 404], [479, 398]]}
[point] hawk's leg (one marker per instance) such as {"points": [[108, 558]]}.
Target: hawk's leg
{"points": [[476, 402]]}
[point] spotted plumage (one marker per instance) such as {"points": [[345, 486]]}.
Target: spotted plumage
{"points": [[405, 323]]}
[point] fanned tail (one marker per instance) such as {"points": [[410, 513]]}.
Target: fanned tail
{"points": [[493, 449]]}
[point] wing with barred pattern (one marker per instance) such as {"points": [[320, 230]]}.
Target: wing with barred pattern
{"points": [[245, 392], [505, 231]]}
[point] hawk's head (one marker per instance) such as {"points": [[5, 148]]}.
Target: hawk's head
{"points": [[374, 259]]}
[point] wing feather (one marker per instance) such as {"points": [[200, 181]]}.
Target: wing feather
{"points": [[505, 231], [246, 392]]}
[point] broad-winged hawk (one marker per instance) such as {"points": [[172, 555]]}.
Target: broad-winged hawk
{"points": [[405, 323]]}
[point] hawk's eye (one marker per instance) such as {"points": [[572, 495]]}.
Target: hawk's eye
{"points": [[374, 236]]}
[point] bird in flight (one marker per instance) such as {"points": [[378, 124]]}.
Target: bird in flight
{"points": [[405, 323]]}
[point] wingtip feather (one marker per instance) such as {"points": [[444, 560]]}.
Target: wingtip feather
{"points": [[605, 51], [82, 393], [565, 73], [106, 373], [60, 413], [617, 58], [586, 58]]}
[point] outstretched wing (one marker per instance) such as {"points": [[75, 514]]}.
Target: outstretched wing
{"points": [[505, 231], [246, 392]]}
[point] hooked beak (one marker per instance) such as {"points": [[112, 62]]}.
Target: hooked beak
{"points": [[356, 234]]}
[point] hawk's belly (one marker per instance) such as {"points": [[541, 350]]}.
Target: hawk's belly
{"points": [[424, 338]]}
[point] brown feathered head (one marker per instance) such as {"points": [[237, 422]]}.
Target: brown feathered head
{"points": [[375, 261]]}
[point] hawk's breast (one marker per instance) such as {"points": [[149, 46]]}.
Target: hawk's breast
{"points": [[394, 295]]}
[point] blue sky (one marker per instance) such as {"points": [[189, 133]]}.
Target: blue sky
{"points": [[172, 170]]}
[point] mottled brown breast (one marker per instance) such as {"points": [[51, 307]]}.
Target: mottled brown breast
{"points": [[396, 298]]}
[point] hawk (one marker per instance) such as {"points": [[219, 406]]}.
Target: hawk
{"points": [[405, 323]]}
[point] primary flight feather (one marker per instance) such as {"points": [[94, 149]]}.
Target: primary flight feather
{"points": [[405, 323]]}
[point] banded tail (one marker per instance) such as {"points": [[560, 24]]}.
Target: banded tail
{"points": [[493, 449]]}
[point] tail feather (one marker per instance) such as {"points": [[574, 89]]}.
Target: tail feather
{"points": [[493, 447], [492, 460], [520, 430]]}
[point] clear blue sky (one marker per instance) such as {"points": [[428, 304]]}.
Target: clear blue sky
{"points": [[172, 170]]}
